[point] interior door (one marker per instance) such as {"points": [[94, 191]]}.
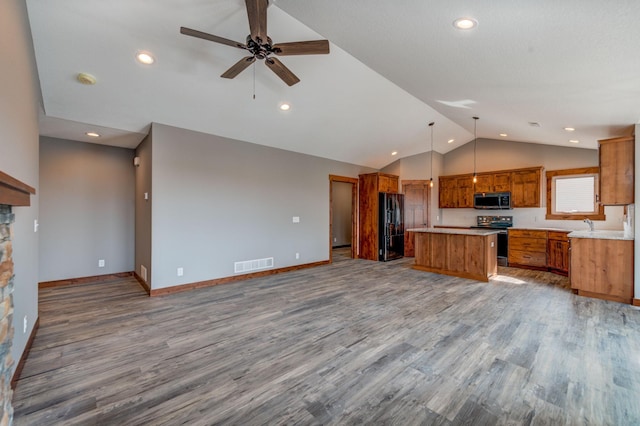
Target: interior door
{"points": [[417, 194]]}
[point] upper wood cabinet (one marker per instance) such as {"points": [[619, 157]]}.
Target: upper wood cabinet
{"points": [[369, 186], [493, 182], [484, 183], [524, 185], [617, 170], [502, 182], [455, 191]]}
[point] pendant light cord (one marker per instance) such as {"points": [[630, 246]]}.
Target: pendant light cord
{"points": [[475, 144], [431, 153]]}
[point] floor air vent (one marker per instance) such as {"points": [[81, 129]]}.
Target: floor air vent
{"points": [[253, 265]]}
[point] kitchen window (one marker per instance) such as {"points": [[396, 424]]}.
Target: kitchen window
{"points": [[572, 194]]}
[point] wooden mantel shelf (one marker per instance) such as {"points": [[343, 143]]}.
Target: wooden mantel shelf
{"points": [[13, 192]]}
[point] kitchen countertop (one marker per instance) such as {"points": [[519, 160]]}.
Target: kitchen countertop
{"points": [[603, 235], [479, 232]]}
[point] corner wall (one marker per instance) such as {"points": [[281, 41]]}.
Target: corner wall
{"points": [[19, 144], [86, 209], [217, 201]]}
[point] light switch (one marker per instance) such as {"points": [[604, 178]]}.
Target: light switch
{"points": [[296, 219]]}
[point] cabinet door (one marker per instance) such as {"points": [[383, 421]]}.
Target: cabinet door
{"points": [[502, 182], [447, 192], [559, 255], [525, 188], [616, 171], [603, 267], [388, 184], [484, 183], [464, 193]]}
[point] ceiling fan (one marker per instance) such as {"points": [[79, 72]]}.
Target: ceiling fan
{"points": [[260, 46]]}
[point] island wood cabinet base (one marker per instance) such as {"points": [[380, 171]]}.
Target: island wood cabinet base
{"points": [[465, 256]]}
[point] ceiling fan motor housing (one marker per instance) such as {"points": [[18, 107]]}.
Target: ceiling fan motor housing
{"points": [[260, 51]]}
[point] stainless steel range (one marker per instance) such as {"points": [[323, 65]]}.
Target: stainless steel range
{"points": [[502, 223]]}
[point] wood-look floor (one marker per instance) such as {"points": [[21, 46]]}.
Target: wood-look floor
{"points": [[354, 342]]}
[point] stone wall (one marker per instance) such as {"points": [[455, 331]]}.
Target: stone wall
{"points": [[6, 314]]}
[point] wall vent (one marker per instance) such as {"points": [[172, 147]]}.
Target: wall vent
{"points": [[253, 265], [143, 273]]}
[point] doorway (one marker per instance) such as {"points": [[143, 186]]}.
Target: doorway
{"points": [[417, 196], [343, 212]]}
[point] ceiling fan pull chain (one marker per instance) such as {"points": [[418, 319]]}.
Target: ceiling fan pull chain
{"points": [[254, 81]]}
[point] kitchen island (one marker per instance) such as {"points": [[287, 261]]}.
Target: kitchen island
{"points": [[466, 253]]}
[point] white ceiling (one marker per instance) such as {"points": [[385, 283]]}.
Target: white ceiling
{"points": [[393, 68]]}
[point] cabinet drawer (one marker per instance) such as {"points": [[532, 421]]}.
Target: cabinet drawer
{"points": [[528, 258], [528, 244], [532, 233], [558, 235]]}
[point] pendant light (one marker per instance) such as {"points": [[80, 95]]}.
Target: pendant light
{"points": [[475, 144], [431, 155]]}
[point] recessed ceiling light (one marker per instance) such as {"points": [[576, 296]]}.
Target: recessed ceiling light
{"points": [[285, 107], [85, 78], [93, 134], [504, 135], [465, 23], [145, 58], [574, 141], [451, 141], [569, 129], [534, 124], [394, 153]]}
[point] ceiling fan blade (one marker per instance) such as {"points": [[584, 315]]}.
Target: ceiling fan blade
{"points": [[281, 71], [211, 37], [313, 47], [238, 67], [257, 12]]}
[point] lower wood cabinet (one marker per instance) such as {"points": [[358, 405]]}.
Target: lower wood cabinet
{"points": [[528, 248], [602, 268]]}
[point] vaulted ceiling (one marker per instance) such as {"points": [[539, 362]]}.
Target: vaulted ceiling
{"points": [[393, 68]]}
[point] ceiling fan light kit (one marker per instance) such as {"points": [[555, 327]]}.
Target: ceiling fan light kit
{"points": [[260, 46]]}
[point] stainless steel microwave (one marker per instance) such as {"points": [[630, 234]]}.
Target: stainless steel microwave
{"points": [[492, 200]]}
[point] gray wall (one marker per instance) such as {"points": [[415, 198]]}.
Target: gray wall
{"points": [[341, 210], [19, 99], [216, 201], [143, 244], [86, 209]]}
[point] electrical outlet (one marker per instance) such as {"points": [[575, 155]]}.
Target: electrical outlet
{"points": [[101, 263], [180, 272], [297, 255], [24, 325], [296, 219]]}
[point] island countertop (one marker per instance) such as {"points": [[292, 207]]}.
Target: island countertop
{"points": [[456, 231]]}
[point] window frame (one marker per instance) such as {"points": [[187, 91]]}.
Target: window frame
{"points": [[599, 215]]}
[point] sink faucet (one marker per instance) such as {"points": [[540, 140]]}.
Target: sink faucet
{"points": [[590, 223]]}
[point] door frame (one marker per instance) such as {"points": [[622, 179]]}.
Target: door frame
{"points": [[354, 213]]}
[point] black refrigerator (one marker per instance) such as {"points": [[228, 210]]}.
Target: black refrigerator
{"points": [[391, 226]]}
